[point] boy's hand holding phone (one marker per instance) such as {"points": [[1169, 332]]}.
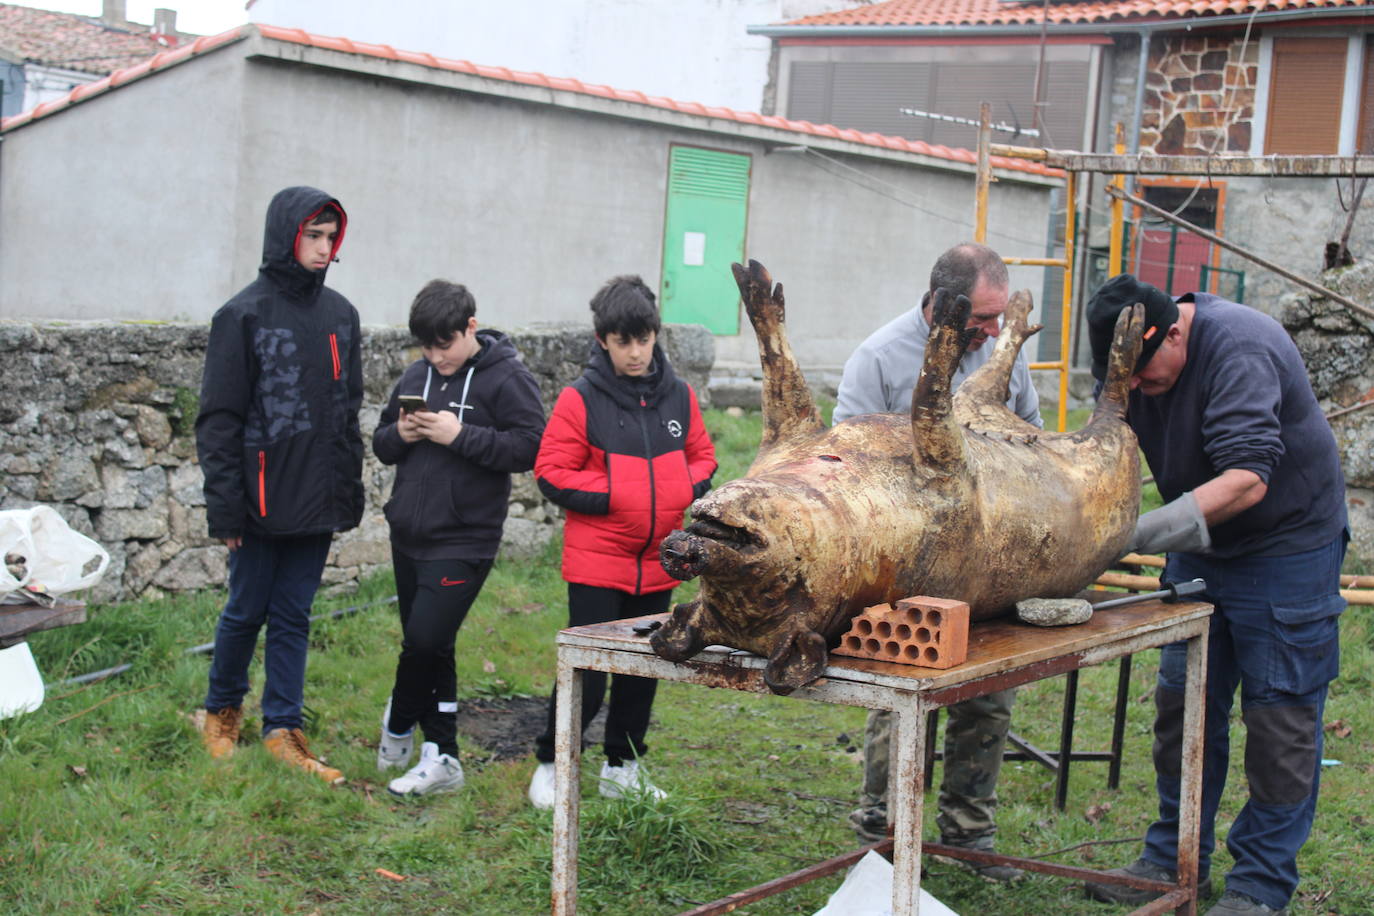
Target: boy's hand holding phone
{"points": [[440, 426]]}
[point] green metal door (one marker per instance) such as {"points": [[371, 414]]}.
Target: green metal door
{"points": [[708, 200]]}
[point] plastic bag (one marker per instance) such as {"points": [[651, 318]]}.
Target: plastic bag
{"points": [[54, 555]]}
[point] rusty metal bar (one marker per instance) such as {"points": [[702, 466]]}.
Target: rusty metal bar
{"points": [[1115, 242], [1034, 262], [566, 787], [1066, 315], [906, 787], [732, 902], [1123, 690], [1061, 782], [1190, 785], [1119, 195], [983, 178]]}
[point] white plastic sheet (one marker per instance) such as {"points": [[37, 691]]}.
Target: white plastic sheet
{"points": [[21, 686], [867, 891]]}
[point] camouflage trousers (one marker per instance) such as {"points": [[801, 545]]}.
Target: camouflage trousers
{"points": [[975, 733]]}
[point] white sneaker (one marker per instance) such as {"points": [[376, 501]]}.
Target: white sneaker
{"points": [[435, 772], [541, 787], [393, 751], [627, 779]]}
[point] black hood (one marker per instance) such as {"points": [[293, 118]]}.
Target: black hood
{"points": [[289, 209], [629, 391]]}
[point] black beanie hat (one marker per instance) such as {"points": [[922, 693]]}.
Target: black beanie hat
{"points": [[1106, 304]]}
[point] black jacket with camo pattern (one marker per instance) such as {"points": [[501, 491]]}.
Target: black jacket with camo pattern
{"points": [[277, 432]]}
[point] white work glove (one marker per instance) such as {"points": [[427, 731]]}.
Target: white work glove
{"points": [[1178, 525]]}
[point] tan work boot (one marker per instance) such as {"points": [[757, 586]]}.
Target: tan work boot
{"points": [[288, 745], [220, 730]]}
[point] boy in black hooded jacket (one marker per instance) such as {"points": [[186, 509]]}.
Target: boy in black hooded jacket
{"points": [[481, 422], [282, 454]]}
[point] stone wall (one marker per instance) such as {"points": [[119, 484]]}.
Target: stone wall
{"points": [[1338, 348], [1199, 95], [97, 420]]}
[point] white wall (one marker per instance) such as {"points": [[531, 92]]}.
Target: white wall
{"points": [[148, 202], [694, 51]]}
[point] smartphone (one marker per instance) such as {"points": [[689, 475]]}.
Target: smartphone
{"points": [[412, 403]]}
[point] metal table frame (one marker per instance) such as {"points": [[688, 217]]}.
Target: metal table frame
{"points": [[1002, 654]]}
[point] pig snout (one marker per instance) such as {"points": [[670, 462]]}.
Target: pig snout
{"points": [[683, 555]]}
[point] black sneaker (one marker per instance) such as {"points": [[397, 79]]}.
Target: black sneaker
{"points": [[1140, 868], [1000, 874], [1234, 903]]}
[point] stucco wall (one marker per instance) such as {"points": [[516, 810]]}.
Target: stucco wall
{"points": [[148, 202]]}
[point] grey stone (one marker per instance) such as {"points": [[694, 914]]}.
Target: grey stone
{"points": [[744, 393], [133, 524], [1359, 504], [143, 563], [187, 485], [524, 538], [360, 550], [198, 567], [1053, 612]]}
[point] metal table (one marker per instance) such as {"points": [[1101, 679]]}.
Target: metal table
{"points": [[1001, 653]]}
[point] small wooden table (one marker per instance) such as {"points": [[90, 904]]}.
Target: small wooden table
{"points": [[1001, 654], [17, 621]]}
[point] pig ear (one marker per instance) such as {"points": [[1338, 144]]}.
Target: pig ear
{"points": [[796, 663]]}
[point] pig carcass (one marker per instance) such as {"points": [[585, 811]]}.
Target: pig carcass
{"points": [[962, 499]]}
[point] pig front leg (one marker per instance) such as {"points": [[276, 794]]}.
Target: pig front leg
{"points": [[796, 661], [684, 634]]}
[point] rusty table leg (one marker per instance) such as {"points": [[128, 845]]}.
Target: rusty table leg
{"points": [[906, 785], [1190, 787], [567, 787]]}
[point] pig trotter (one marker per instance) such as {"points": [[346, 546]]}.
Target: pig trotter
{"points": [[681, 637], [798, 661]]}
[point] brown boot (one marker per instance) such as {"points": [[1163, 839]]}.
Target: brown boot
{"points": [[220, 730], [288, 745]]}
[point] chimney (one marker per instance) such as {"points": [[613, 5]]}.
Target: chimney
{"points": [[113, 12], [165, 22]]}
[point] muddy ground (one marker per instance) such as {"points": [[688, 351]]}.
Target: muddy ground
{"points": [[505, 727]]}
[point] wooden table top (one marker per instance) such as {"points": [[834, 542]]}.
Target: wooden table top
{"points": [[19, 620], [994, 646]]}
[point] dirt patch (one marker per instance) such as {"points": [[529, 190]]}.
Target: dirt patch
{"points": [[506, 727]]}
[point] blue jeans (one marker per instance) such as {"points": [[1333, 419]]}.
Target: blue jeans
{"points": [[1275, 634], [272, 581]]}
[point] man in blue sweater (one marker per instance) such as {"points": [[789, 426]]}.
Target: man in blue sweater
{"points": [[1255, 505]]}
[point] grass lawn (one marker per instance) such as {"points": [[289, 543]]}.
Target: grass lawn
{"points": [[109, 804]]}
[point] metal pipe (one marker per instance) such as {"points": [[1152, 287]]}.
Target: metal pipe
{"points": [[984, 176], [1140, 71], [1119, 195]]}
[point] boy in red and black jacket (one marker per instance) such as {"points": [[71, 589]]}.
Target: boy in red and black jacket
{"points": [[625, 453]]}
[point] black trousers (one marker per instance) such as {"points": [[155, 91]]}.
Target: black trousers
{"points": [[434, 597], [632, 698]]}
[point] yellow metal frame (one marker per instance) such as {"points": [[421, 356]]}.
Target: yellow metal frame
{"points": [[982, 183]]}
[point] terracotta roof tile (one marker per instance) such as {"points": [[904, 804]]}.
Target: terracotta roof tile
{"points": [[563, 84], [80, 43], [1029, 12]]}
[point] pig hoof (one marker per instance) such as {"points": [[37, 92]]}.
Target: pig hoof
{"points": [[798, 662], [679, 639]]}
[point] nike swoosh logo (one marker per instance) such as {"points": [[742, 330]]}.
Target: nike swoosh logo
{"points": [[447, 581]]}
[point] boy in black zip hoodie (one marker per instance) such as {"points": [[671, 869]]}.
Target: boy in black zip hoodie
{"points": [[481, 422], [279, 444]]}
